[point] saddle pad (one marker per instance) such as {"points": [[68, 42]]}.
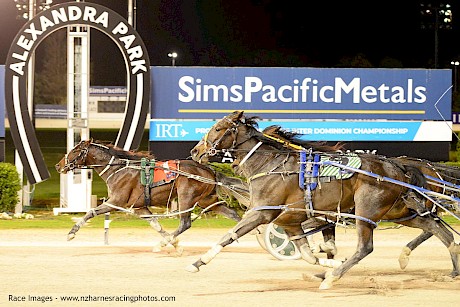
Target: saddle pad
{"points": [[163, 173], [351, 160]]}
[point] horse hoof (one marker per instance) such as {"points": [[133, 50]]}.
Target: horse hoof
{"points": [[325, 285], [192, 269], [404, 258], [311, 277], [328, 247], [179, 250], [328, 281], [70, 236], [156, 249], [454, 274]]}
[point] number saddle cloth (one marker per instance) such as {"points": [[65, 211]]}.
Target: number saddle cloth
{"points": [[155, 173], [315, 168]]}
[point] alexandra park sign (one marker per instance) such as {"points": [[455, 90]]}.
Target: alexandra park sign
{"points": [[137, 65]]}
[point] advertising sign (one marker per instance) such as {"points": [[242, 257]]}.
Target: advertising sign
{"points": [[301, 93], [188, 130], [136, 63]]}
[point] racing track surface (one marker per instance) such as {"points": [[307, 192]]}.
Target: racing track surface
{"points": [[42, 263]]}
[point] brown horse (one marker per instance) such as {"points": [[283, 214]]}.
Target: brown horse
{"points": [[191, 183], [271, 166], [440, 174]]}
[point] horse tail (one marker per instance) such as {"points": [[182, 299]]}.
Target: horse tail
{"points": [[449, 173], [412, 170], [415, 175]]}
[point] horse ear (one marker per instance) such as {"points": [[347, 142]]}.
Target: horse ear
{"points": [[237, 116]]}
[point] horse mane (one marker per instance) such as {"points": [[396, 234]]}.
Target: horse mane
{"points": [[293, 137], [124, 154]]}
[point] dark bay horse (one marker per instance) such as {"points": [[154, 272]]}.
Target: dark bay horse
{"points": [[271, 166], [191, 183], [439, 172]]}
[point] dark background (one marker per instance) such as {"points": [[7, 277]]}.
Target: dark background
{"points": [[269, 33], [266, 33]]}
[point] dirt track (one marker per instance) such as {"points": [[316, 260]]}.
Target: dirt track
{"points": [[42, 263]]}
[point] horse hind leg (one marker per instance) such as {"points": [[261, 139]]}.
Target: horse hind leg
{"points": [[306, 251], [407, 250], [167, 237], [101, 209], [364, 248], [155, 224], [328, 246], [430, 225]]}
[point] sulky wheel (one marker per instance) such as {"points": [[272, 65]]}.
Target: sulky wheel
{"points": [[278, 244]]}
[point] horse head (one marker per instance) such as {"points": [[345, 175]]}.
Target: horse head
{"points": [[74, 158], [222, 135]]}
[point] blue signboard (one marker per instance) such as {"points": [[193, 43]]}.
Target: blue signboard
{"points": [[301, 93], [189, 130], [2, 101]]}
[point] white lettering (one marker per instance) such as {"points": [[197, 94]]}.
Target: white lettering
{"points": [[121, 28], [306, 91], [74, 13]]}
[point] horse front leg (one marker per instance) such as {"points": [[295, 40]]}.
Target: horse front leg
{"points": [[249, 222], [101, 209]]}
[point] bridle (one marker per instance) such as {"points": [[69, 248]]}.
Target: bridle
{"points": [[73, 164], [233, 130]]}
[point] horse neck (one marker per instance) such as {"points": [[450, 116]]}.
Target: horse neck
{"points": [[99, 159], [252, 157]]}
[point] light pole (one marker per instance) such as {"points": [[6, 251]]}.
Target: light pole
{"points": [[173, 56], [28, 8], [455, 64], [436, 17]]}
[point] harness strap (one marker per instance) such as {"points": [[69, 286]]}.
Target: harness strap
{"points": [[107, 180], [286, 208], [107, 166], [285, 143], [130, 210], [249, 154]]}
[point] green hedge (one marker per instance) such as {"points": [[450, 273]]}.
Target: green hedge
{"points": [[9, 187]]}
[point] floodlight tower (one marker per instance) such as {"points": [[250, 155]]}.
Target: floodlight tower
{"points": [[436, 17]]}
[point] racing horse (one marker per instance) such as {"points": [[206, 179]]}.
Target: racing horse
{"points": [[193, 184], [440, 174], [270, 166]]}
